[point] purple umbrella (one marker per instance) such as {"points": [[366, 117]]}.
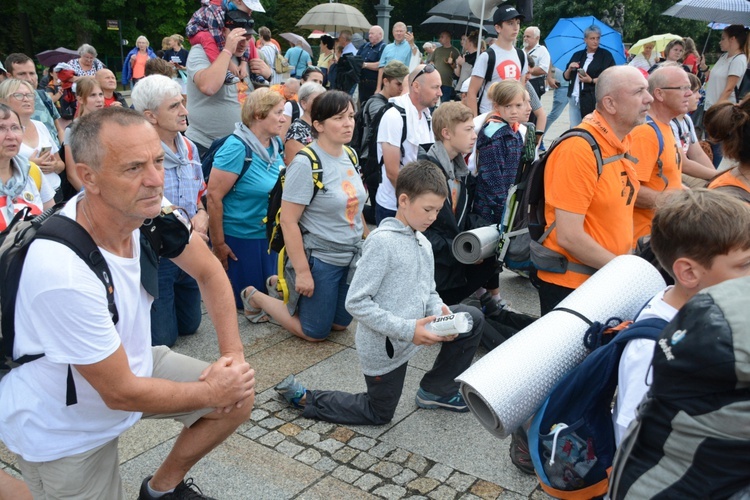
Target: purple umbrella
{"points": [[55, 56]]}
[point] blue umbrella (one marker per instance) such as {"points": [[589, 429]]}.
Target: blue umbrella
{"points": [[566, 38]]}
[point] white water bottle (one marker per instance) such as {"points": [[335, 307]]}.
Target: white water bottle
{"points": [[451, 324]]}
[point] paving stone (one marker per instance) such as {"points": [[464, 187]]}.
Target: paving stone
{"points": [[460, 482], [416, 497], [308, 437], [469, 496], [271, 423], [405, 476], [423, 484], [342, 434], [399, 456], [345, 454], [329, 445], [258, 415], [364, 461], [322, 427], [325, 464], [539, 494], [275, 405], [290, 430], [442, 492], [289, 449], [440, 472], [381, 450], [309, 456], [512, 495], [255, 432], [486, 490], [362, 443], [271, 439], [288, 414], [390, 491], [367, 482], [386, 469], [305, 423], [417, 463], [346, 474]]}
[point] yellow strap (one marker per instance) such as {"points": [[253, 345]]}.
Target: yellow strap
{"points": [[281, 284], [36, 173]]}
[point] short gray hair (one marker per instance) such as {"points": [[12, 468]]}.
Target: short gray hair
{"points": [[151, 92], [535, 31], [85, 144], [592, 29], [144, 39], [87, 49], [308, 89]]}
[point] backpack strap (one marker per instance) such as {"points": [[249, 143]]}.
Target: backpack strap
{"points": [[487, 74], [402, 112], [352, 156], [660, 138], [68, 232], [36, 175], [317, 169], [47, 102], [648, 329], [247, 161]]}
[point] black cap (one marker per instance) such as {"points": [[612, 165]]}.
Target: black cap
{"points": [[504, 13], [238, 19]]}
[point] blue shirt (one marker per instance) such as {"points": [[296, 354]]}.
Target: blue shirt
{"points": [[371, 53], [298, 60], [398, 51], [246, 204]]}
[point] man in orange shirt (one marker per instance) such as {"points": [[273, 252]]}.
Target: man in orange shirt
{"points": [[594, 213], [670, 88]]}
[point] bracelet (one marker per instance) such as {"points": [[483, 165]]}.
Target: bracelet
{"points": [[228, 52], [201, 208], [539, 132]]}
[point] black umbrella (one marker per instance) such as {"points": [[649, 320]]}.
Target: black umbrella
{"points": [[437, 24], [56, 56], [454, 10]]}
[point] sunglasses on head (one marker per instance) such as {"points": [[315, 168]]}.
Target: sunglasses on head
{"points": [[429, 68]]}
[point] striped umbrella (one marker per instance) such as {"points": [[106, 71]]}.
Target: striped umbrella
{"points": [[713, 11]]}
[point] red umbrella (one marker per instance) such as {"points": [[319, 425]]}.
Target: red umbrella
{"points": [[55, 56]]}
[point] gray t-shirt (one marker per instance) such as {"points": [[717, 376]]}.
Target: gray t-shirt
{"points": [[335, 214], [211, 117]]}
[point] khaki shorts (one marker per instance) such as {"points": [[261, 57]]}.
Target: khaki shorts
{"points": [[96, 473]]}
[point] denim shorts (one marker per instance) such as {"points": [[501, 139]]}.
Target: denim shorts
{"points": [[317, 314]]}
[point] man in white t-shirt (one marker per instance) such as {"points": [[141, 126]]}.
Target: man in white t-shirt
{"points": [[424, 93], [67, 446], [541, 57], [507, 63]]}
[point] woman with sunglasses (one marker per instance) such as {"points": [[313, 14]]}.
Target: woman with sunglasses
{"points": [[323, 231], [37, 145], [21, 181]]}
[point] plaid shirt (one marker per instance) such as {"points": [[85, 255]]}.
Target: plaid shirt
{"points": [[210, 18], [183, 177]]}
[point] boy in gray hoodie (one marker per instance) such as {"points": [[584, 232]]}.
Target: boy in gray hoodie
{"points": [[393, 298]]}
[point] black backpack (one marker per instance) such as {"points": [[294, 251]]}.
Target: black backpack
{"points": [[295, 108], [207, 162], [163, 236], [359, 141], [524, 220], [372, 169]]}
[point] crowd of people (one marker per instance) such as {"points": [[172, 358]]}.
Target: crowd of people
{"points": [[440, 141]]}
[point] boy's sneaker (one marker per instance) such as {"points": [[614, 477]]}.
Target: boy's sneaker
{"points": [[231, 79], [519, 452], [186, 490], [259, 81], [292, 391], [431, 401]]}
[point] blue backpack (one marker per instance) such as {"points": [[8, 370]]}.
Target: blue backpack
{"points": [[572, 437]]}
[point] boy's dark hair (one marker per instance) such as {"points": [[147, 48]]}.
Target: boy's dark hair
{"points": [[327, 105], [158, 66], [698, 224], [328, 41], [15, 58], [420, 177]]}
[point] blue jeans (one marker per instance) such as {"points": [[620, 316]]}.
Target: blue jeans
{"points": [[382, 213], [317, 314], [560, 100], [574, 112], [447, 91], [177, 311]]}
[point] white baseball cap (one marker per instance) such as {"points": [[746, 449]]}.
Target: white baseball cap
{"points": [[254, 5]]}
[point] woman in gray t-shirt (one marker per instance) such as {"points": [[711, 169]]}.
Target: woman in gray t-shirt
{"points": [[323, 228]]}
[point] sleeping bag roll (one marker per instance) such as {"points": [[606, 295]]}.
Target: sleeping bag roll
{"points": [[478, 244], [505, 387]]}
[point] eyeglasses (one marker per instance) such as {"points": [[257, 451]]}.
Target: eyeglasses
{"points": [[429, 68], [13, 129], [685, 89], [20, 96]]}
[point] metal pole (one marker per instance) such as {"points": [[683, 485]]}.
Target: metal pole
{"points": [[119, 31]]}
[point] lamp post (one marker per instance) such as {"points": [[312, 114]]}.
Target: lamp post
{"points": [[384, 9]]}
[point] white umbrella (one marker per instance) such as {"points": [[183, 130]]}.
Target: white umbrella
{"points": [[297, 40], [334, 17], [714, 11]]}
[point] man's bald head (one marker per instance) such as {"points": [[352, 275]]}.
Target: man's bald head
{"points": [[614, 80], [667, 75]]}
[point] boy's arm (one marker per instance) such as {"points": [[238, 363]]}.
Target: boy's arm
{"points": [[371, 269]]}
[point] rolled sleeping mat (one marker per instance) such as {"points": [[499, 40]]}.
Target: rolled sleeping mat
{"points": [[478, 244], [506, 387]]}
